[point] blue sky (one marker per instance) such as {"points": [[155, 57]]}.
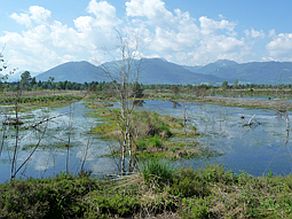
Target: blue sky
{"points": [[38, 35], [258, 14]]}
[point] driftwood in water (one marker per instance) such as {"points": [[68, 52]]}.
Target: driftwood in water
{"points": [[251, 122], [287, 127], [175, 103], [13, 121]]}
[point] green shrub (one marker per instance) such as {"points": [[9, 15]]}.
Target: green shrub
{"points": [[101, 205], [157, 173], [188, 183], [215, 174], [149, 142], [51, 198], [195, 208], [163, 130]]}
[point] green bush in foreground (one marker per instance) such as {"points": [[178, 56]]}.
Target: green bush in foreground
{"points": [[49, 198], [102, 205], [186, 193], [188, 183], [157, 174]]}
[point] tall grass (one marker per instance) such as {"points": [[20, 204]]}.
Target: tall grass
{"points": [[157, 173]]}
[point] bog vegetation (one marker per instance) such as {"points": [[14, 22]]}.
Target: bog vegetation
{"points": [[158, 190], [148, 185]]}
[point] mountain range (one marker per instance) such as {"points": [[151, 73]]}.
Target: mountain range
{"points": [[251, 72], [160, 71]]}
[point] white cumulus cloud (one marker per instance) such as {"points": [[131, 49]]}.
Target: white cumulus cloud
{"points": [[280, 47], [45, 42], [172, 34], [209, 26], [152, 9], [35, 14]]}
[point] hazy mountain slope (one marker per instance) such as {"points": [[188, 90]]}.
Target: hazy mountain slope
{"points": [[159, 71], [74, 71], [252, 72], [266, 72], [152, 71]]}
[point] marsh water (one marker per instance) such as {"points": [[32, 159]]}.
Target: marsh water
{"points": [[50, 158], [257, 149], [263, 147]]}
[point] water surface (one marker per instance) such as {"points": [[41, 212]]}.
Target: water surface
{"points": [[257, 150]]}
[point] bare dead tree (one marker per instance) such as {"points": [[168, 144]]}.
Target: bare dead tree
{"points": [[16, 122], [287, 121], [185, 119], [5, 69], [36, 146], [126, 74], [4, 72], [85, 156], [68, 145], [4, 130]]}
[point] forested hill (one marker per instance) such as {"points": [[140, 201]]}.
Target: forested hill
{"points": [[160, 71]]}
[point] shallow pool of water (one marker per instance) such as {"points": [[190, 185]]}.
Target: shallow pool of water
{"points": [[49, 160], [257, 150]]}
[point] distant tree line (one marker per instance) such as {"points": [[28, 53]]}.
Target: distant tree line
{"points": [[224, 84], [29, 83], [26, 82]]}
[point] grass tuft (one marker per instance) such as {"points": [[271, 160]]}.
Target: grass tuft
{"points": [[157, 174]]}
